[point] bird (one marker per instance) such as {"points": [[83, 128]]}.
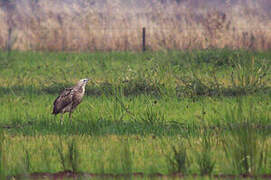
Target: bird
{"points": [[69, 99]]}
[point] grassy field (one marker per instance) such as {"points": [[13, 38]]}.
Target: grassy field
{"points": [[198, 112]]}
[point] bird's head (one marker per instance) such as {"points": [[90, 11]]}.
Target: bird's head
{"points": [[83, 82]]}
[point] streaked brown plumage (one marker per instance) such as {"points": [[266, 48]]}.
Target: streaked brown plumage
{"points": [[70, 98]]}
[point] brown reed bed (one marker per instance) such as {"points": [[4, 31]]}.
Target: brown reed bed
{"points": [[69, 25]]}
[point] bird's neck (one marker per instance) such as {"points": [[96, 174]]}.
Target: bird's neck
{"points": [[81, 88]]}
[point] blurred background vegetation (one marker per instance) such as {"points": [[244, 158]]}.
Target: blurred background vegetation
{"points": [[90, 25]]}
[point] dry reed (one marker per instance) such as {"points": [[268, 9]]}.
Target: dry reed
{"points": [[90, 25]]}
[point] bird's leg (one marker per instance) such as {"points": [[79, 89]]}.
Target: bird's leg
{"points": [[70, 116], [61, 119]]}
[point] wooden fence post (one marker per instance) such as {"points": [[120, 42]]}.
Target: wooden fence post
{"points": [[144, 39]]}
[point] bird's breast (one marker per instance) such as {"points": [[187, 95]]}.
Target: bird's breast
{"points": [[79, 95]]}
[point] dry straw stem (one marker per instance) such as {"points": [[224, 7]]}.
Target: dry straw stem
{"points": [[82, 25]]}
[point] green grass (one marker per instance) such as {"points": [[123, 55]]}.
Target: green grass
{"points": [[199, 112]]}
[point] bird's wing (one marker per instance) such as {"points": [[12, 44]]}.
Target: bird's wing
{"points": [[64, 99]]}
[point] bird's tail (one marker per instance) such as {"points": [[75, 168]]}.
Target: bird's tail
{"points": [[54, 112]]}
